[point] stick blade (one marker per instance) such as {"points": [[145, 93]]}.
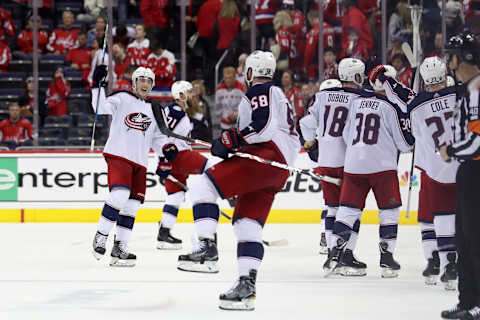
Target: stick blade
{"points": [[276, 243]]}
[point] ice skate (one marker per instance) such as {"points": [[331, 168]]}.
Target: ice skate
{"points": [[165, 241], [432, 270], [472, 314], [349, 266], [323, 244], [389, 267], [99, 243], [449, 276], [203, 258], [454, 313], [336, 254], [242, 295], [120, 255]]}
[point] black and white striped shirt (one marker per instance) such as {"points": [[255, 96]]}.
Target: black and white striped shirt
{"points": [[466, 144]]}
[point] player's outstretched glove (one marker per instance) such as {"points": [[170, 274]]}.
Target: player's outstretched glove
{"points": [[376, 72], [99, 74], [164, 169], [229, 141], [312, 149], [170, 152]]}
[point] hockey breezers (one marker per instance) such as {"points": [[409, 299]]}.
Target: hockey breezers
{"points": [[160, 118]]}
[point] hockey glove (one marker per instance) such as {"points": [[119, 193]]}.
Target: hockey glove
{"points": [[312, 149], [170, 152], [376, 72], [164, 169], [99, 75], [229, 141]]}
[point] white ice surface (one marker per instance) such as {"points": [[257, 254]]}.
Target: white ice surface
{"points": [[48, 272]]}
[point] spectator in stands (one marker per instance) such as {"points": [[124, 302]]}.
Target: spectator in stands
{"points": [[264, 14], [298, 33], [162, 63], [27, 104], [454, 18], [227, 98], [57, 94], [120, 59], [81, 57], [404, 72], [98, 31], [156, 18], [15, 130], [292, 93], [5, 57], [205, 103], [240, 76], [310, 62], [97, 59], [472, 15], [354, 48], [205, 22], [282, 23], [124, 83], [396, 48], [122, 36], [197, 113], [7, 27], [333, 15], [228, 22], [63, 39], [400, 24], [330, 64], [93, 9], [438, 46], [355, 20], [139, 50], [25, 38]]}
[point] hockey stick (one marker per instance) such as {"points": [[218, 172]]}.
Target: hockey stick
{"points": [[410, 184], [407, 51], [92, 142], [160, 117]]}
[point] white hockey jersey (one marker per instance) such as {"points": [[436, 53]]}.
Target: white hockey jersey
{"points": [[264, 114], [431, 115], [374, 135], [325, 121], [133, 130]]}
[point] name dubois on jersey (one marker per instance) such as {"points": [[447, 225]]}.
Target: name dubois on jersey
{"points": [[335, 97], [138, 121]]}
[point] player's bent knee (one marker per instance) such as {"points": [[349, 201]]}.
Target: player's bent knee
{"points": [[202, 190], [175, 199], [246, 229], [131, 207], [118, 198]]}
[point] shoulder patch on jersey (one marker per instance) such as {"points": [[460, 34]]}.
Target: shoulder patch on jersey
{"points": [[138, 121], [175, 115]]}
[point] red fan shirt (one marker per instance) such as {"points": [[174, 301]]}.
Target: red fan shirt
{"points": [[6, 25], [138, 52], [164, 68], [154, 13], [25, 40], [311, 51], [265, 10], [62, 40], [17, 132], [5, 57], [57, 94]]}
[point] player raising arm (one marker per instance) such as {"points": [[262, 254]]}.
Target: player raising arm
{"points": [[266, 129], [132, 134]]}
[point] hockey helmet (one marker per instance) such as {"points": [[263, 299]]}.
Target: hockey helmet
{"points": [[348, 69], [389, 72], [180, 87], [450, 81], [142, 72], [465, 47], [330, 83], [433, 70], [259, 64]]}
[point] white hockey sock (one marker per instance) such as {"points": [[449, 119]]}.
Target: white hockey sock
{"points": [[352, 242], [168, 220], [206, 228], [329, 222], [126, 220], [105, 225], [389, 227], [429, 239], [322, 221], [250, 249], [445, 231]]}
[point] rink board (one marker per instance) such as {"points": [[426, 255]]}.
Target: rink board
{"points": [[72, 187]]}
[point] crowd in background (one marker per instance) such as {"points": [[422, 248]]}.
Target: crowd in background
{"points": [[146, 33]]}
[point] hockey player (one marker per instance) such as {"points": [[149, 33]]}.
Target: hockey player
{"points": [[266, 129], [132, 134], [322, 130], [431, 116], [374, 137], [179, 160]]}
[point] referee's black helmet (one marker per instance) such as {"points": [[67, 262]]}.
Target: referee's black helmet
{"points": [[465, 46]]}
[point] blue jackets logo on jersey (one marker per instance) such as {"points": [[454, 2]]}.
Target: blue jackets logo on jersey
{"points": [[138, 121]]}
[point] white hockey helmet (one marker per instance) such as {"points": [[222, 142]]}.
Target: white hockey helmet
{"points": [[259, 64], [433, 70], [450, 81], [348, 68], [180, 87], [142, 72], [389, 72], [330, 83]]}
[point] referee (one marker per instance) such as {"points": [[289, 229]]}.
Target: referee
{"points": [[463, 57]]}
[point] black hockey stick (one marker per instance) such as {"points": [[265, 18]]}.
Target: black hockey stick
{"points": [[410, 184], [160, 118]]}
